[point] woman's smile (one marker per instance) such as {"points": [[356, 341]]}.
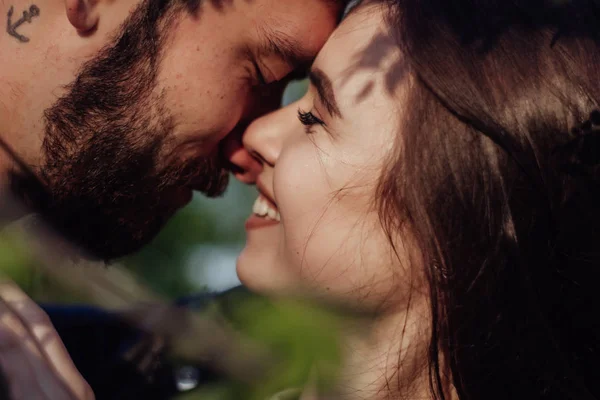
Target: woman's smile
{"points": [[264, 213]]}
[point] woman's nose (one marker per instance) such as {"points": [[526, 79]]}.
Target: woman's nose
{"points": [[249, 151]]}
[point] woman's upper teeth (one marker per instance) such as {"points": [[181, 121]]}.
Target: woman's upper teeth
{"points": [[262, 208]]}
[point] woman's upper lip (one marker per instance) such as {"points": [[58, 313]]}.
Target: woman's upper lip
{"points": [[265, 193]]}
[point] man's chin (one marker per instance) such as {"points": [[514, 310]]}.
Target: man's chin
{"points": [[107, 237], [109, 249], [110, 225]]}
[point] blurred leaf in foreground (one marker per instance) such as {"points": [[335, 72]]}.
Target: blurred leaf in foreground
{"points": [[261, 346], [302, 337]]}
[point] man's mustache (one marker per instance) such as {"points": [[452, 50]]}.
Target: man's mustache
{"points": [[209, 175]]}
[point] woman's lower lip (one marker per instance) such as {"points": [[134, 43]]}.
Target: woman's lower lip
{"points": [[256, 222]]}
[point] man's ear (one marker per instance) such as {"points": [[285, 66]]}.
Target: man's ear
{"points": [[82, 14]]}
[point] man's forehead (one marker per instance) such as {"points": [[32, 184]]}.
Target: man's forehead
{"points": [[296, 33], [288, 46]]}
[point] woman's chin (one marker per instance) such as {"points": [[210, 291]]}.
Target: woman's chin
{"points": [[251, 270], [258, 272]]}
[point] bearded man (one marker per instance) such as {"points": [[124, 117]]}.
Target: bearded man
{"points": [[112, 112]]}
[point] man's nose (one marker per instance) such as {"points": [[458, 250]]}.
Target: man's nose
{"points": [[242, 164], [246, 164]]}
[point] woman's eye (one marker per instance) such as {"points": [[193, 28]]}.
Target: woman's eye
{"points": [[308, 119]]}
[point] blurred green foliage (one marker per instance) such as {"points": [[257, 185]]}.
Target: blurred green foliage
{"points": [[304, 338], [300, 336], [18, 263]]}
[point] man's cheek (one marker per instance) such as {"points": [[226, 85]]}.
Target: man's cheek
{"points": [[217, 116]]}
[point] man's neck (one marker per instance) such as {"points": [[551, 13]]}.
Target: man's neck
{"points": [[8, 133], [26, 54], [11, 208], [6, 108]]}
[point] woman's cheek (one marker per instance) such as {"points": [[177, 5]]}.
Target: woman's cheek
{"points": [[301, 192], [298, 179]]}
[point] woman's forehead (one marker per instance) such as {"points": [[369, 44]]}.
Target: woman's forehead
{"points": [[345, 45], [361, 52]]}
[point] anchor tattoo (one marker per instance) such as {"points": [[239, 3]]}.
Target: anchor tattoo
{"points": [[11, 28]]}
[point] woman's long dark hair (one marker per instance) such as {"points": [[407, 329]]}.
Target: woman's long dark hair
{"points": [[491, 177]]}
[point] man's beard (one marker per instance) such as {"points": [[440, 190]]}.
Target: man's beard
{"points": [[110, 182]]}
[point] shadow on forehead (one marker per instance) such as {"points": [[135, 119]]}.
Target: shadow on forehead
{"points": [[375, 57], [464, 22]]}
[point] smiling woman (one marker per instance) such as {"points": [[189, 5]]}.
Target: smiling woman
{"points": [[440, 183], [320, 176]]}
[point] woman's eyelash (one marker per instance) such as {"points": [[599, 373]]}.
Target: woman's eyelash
{"points": [[308, 119]]}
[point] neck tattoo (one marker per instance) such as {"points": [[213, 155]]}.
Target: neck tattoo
{"points": [[28, 15]]}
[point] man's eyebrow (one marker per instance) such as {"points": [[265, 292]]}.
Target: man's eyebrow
{"points": [[287, 47], [325, 91]]}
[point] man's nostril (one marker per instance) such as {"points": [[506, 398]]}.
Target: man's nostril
{"points": [[236, 170]]}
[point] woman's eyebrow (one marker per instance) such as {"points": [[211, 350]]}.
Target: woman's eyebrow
{"points": [[322, 83]]}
